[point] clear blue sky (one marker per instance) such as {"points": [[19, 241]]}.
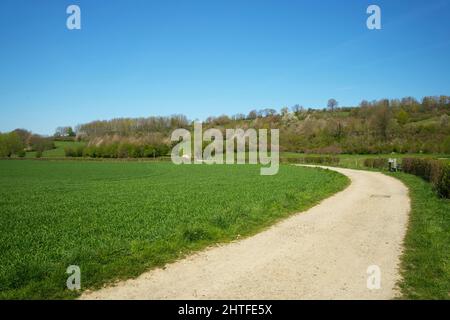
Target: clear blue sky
{"points": [[144, 57]]}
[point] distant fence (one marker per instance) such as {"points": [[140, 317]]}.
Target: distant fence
{"points": [[327, 160], [378, 163]]}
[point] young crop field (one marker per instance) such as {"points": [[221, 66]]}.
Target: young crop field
{"points": [[117, 219]]}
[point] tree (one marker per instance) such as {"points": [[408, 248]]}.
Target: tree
{"points": [[382, 118], [24, 135], [252, 115], [284, 111], [364, 104], [297, 109], [59, 132], [69, 132], [10, 144], [64, 132], [402, 117], [332, 104], [38, 143]]}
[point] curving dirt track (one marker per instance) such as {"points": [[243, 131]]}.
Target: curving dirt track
{"points": [[322, 253]]}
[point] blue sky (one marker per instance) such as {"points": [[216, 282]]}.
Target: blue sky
{"points": [[199, 58]]}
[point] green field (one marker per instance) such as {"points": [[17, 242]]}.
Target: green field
{"points": [[118, 219]]}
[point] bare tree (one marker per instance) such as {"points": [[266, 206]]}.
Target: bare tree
{"points": [[332, 104], [252, 115], [297, 109]]}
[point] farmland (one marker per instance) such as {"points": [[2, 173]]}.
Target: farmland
{"points": [[118, 219]]}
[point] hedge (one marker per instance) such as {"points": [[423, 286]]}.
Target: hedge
{"points": [[435, 171], [118, 150]]}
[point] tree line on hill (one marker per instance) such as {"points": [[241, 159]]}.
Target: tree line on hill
{"points": [[382, 126]]}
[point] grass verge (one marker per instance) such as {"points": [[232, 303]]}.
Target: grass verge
{"points": [[425, 264]]}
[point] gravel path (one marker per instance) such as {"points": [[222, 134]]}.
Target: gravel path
{"points": [[322, 253]]}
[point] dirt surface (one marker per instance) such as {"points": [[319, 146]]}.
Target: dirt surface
{"points": [[322, 253]]}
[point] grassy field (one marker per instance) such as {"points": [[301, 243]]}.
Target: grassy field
{"points": [[116, 220], [426, 260], [58, 152]]}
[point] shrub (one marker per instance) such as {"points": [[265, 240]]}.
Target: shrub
{"points": [[110, 150], [79, 151], [89, 152], [38, 143], [69, 152], [434, 171], [74, 152], [125, 150], [149, 152]]}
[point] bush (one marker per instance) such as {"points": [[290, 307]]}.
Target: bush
{"points": [[434, 171], [38, 143], [74, 152], [69, 152]]}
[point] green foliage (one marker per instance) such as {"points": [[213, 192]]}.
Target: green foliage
{"points": [[446, 145], [122, 149], [75, 151], [118, 219], [402, 117], [11, 144]]}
